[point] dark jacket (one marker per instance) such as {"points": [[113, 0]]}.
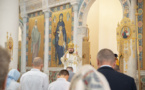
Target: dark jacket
{"points": [[117, 80]]}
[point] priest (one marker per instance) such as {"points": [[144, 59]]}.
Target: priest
{"points": [[71, 58]]}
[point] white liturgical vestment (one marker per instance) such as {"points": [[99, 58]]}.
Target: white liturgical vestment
{"points": [[71, 60], [34, 80], [59, 84]]}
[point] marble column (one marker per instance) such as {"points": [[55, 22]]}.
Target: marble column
{"points": [[23, 46], [132, 63], [132, 10], [46, 57], [9, 22], [75, 8], [82, 32]]}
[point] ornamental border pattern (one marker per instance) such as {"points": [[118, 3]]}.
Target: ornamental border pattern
{"points": [[125, 5], [140, 31], [82, 8], [84, 4]]}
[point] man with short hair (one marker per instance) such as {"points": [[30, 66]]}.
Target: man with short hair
{"points": [[4, 67], [35, 79], [61, 83], [117, 80], [71, 73]]}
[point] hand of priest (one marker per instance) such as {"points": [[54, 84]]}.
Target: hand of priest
{"points": [[76, 52]]}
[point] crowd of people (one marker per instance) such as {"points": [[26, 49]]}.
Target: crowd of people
{"points": [[86, 78]]}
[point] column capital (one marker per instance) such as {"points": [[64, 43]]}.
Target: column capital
{"points": [[23, 9], [46, 13], [83, 30], [24, 19], [46, 9], [75, 5], [24, 15]]}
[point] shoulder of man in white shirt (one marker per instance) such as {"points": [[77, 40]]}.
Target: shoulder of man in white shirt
{"points": [[61, 81], [37, 73], [53, 84]]}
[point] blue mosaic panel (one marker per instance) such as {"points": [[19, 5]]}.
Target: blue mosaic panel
{"points": [[140, 30]]}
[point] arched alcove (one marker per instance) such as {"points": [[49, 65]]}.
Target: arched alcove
{"points": [[102, 18], [86, 5]]}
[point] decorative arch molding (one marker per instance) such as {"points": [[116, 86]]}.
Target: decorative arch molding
{"points": [[83, 12], [86, 4], [21, 24]]}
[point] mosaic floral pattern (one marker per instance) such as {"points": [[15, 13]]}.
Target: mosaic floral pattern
{"points": [[143, 82], [53, 76], [140, 30]]}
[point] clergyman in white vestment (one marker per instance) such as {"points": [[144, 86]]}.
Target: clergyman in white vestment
{"points": [[35, 79], [71, 58]]}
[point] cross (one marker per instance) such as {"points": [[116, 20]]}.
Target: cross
{"points": [[76, 46], [7, 35]]}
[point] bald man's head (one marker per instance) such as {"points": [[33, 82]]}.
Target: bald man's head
{"points": [[105, 56], [37, 63]]}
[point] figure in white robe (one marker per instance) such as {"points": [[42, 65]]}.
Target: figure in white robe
{"points": [[12, 79], [36, 40], [71, 58]]}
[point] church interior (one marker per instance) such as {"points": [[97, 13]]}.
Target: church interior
{"points": [[32, 28]]}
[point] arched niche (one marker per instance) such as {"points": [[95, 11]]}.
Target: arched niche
{"points": [[82, 19], [85, 7]]}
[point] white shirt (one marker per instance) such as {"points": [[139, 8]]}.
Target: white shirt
{"points": [[34, 80], [13, 85], [105, 66], [59, 84]]}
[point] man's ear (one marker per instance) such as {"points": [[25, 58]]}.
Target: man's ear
{"points": [[42, 65], [114, 64], [57, 76], [32, 64], [98, 62], [4, 85], [66, 77]]}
